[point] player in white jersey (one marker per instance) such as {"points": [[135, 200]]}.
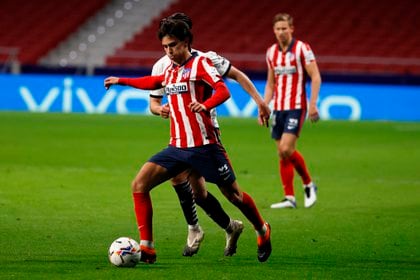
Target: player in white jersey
{"points": [[289, 61], [181, 183]]}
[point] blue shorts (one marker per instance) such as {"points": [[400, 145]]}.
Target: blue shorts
{"points": [[289, 121], [211, 161]]}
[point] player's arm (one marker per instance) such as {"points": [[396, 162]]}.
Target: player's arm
{"points": [[269, 86], [313, 72], [207, 73], [220, 95], [263, 109], [156, 96], [147, 82], [157, 108]]}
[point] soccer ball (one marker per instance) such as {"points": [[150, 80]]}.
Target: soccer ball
{"points": [[124, 252]]}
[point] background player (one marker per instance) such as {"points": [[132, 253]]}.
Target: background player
{"points": [[288, 62]]}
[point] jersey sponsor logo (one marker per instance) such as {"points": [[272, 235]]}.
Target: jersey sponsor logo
{"points": [[176, 88], [292, 123], [284, 70]]}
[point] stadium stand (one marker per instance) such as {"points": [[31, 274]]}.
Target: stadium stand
{"points": [[35, 27], [107, 30], [348, 36]]}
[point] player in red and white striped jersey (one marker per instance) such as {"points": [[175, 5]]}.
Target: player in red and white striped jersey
{"points": [[181, 182], [188, 83], [289, 62]]}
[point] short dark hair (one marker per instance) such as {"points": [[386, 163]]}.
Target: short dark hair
{"points": [[175, 28], [183, 17]]}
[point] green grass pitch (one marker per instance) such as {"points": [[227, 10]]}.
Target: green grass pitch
{"points": [[65, 196]]}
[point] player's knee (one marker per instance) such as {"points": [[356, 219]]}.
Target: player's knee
{"points": [[181, 178], [235, 199], [285, 152], [137, 186], [233, 196], [200, 194], [178, 180]]}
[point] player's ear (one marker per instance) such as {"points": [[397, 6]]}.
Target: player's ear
{"points": [[186, 43]]}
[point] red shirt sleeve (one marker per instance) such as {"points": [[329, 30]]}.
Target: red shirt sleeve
{"points": [[147, 82], [220, 95]]}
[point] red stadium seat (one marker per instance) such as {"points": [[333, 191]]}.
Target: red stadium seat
{"points": [[37, 26], [333, 28]]}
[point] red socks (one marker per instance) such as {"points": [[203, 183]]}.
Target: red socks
{"points": [[144, 213], [287, 166], [299, 163], [287, 174], [249, 209]]}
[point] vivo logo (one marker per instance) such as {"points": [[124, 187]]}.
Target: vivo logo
{"points": [[332, 101], [69, 95], [49, 93], [54, 93]]}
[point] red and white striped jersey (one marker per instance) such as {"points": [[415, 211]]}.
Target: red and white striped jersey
{"points": [[289, 74], [221, 63], [192, 81]]}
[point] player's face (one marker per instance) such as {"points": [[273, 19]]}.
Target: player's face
{"points": [[283, 32], [175, 49]]}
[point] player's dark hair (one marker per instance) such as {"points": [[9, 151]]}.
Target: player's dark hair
{"points": [[183, 17], [175, 28]]}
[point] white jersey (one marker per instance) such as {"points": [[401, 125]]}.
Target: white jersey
{"points": [[221, 64]]}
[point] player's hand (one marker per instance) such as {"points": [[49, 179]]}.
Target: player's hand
{"points": [[313, 114], [263, 114], [165, 110], [110, 81], [197, 107]]}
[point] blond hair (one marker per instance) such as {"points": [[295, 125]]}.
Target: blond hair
{"points": [[283, 17]]}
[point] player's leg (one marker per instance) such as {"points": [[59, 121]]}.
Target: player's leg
{"points": [[213, 163], [214, 210], [310, 189], [285, 146], [294, 122], [184, 191], [286, 171], [149, 176], [246, 205]]}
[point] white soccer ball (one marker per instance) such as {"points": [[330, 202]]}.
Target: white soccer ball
{"points": [[124, 252]]}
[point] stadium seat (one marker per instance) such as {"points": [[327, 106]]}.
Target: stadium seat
{"points": [[39, 25], [344, 28]]}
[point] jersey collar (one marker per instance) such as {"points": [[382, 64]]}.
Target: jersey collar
{"points": [[289, 48]]}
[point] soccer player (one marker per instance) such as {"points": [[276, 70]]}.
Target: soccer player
{"points": [[189, 82], [288, 62], [181, 182]]}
